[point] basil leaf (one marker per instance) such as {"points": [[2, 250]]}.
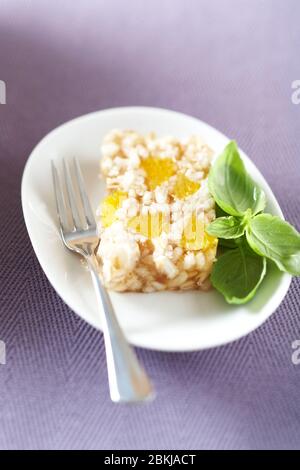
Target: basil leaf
{"points": [[276, 239], [226, 227], [238, 273], [231, 186]]}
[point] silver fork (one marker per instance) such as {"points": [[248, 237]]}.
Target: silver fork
{"points": [[128, 382]]}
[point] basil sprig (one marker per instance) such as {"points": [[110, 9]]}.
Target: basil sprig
{"points": [[247, 235]]}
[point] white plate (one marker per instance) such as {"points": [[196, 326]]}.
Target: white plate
{"points": [[168, 321]]}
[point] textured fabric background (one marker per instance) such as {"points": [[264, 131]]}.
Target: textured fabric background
{"points": [[228, 62]]}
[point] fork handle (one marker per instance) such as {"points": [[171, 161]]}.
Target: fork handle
{"points": [[128, 381]]}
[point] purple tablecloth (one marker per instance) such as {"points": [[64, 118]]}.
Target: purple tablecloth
{"points": [[230, 63]]}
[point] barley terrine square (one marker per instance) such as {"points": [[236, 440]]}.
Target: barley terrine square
{"points": [[152, 221]]}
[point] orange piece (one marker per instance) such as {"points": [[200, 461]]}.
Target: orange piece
{"points": [[158, 170], [184, 187], [110, 205]]}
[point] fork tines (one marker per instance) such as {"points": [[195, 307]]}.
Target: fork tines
{"points": [[73, 206]]}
